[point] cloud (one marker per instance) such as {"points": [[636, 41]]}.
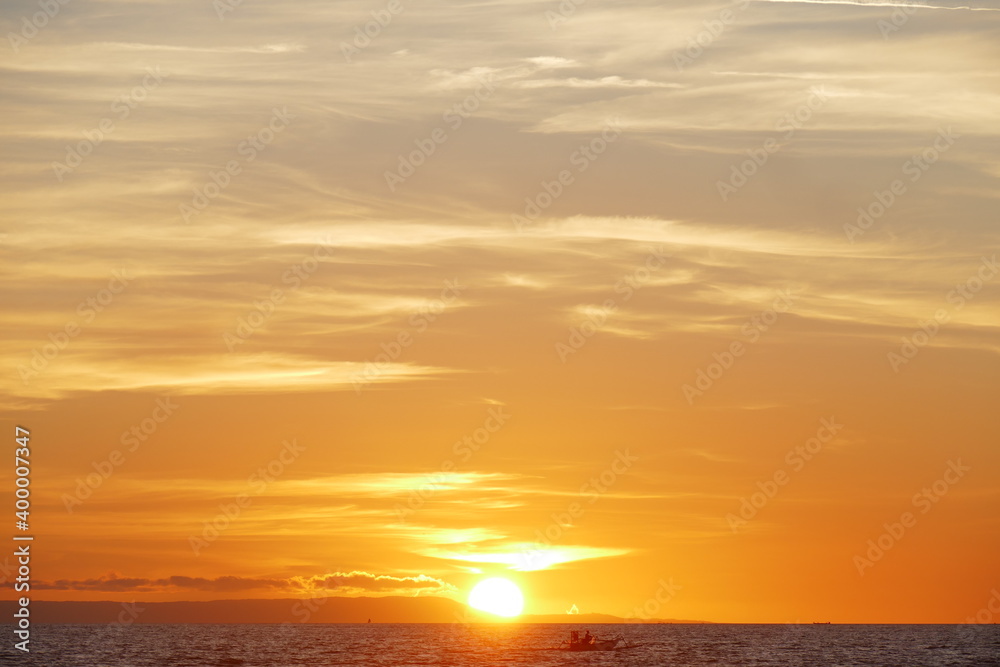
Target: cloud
{"points": [[603, 82], [199, 376], [353, 582], [884, 3], [527, 557], [356, 486], [266, 48], [365, 581], [574, 264], [114, 583]]}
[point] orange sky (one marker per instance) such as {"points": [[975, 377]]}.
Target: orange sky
{"points": [[587, 302]]}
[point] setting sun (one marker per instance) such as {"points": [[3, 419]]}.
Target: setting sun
{"points": [[497, 596]]}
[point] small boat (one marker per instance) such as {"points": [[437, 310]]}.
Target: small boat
{"points": [[592, 643]]}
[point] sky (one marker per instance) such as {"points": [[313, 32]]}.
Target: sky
{"points": [[669, 309]]}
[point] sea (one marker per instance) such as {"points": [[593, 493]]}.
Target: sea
{"points": [[313, 645]]}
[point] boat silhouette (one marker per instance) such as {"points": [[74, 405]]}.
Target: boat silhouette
{"points": [[592, 643]]}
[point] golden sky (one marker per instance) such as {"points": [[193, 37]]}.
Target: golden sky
{"points": [[608, 301]]}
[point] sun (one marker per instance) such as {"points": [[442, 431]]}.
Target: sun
{"points": [[497, 596]]}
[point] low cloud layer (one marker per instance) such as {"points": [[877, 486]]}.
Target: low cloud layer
{"points": [[337, 583]]}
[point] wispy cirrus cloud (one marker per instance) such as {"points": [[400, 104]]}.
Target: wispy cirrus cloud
{"points": [[886, 3]]}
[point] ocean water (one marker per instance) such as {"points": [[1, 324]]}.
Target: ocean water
{"points": [[526, 644]]}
